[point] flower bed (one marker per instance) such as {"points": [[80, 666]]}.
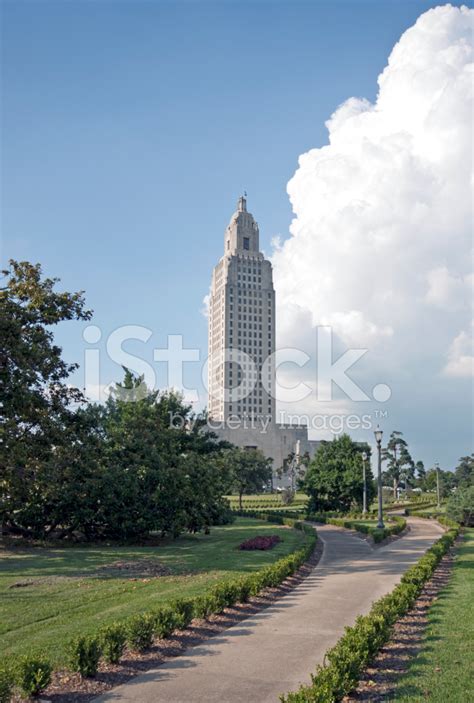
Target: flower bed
{"points": [[260, 542]]}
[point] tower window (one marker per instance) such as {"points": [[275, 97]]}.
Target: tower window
{"points": [[246, 243]]}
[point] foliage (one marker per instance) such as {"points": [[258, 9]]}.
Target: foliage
{"points": [[6, 685], [400, 465], [112, 639], [460, 506], [33, 674], [464, 472], [84, 655], [334, 479], [184, 610], [141, 463], [249, 470], [40, 433], [260, 542], [165, 620], [140, 630], [378, 534], [347, 659]]}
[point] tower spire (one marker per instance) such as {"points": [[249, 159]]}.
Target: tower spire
{"points": [[242, 203]]}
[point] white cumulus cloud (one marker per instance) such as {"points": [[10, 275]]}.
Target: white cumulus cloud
{"points": [[381, 240]]}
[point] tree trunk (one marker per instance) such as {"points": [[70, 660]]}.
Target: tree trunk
{"points": [[395, 486]]}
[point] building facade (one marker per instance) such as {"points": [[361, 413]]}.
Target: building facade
{"points": [[241, 367], [242, 326]]}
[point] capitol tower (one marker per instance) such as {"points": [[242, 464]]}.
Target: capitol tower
{"points": [[241, 366], [242, 319]]}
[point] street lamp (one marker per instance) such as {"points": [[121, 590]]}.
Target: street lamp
{"points": [[437, 483], [364, 503], [378, 438]]}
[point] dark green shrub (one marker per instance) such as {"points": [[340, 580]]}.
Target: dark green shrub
{"points": [[205, 605], [244, 588], [165, 621], [225, 594], [184, 609], [112, 640], [33, 674], [140, 630], [84, 654], [6, 685]]}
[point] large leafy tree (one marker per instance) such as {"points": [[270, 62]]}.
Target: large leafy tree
{"points": [[400, 465], [40, 428], [160, 476], [334, 479]]}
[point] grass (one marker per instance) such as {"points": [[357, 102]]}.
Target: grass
{"points": [[443, 669], [69, 596]]}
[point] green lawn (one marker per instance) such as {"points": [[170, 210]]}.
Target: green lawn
{"points": [[69, 594], [443, 670]]}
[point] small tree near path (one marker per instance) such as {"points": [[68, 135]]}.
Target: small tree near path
{"points": [[249, 469]]}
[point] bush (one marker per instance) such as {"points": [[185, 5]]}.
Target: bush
{"points": [[112, 640], [224, 594], [33, 674], [6, 685], [260, 542], [184, 609], [205, 605], [165, 621], [140, 630], [84, 655]]}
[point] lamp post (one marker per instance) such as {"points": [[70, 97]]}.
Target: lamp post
{"points": [[364, 499], [378, 438], [437, 483]]}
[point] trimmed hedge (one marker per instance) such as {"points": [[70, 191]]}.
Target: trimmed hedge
{"points": [[359, 644], [377, 534], [140, 630], [347, 520]]}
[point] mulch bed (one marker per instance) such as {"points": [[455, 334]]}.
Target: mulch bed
{"points": [[379, 681], [68, 687]]}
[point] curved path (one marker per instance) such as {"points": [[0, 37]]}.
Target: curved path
{"points": [[275, 650]]}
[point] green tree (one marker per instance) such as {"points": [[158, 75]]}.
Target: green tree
{"points": [[447, 482], [163, 471], [400, 465], [334, 479], [460, 506], [464, 471], [420, 473], [40, 426], [249, 471]]}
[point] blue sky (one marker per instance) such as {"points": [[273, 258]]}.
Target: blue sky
{"points": [[130, 129]]}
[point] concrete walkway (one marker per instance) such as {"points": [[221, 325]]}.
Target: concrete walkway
{"points": [[274, 651]]}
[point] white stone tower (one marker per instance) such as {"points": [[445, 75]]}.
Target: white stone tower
{"points": [[242, 319]]}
